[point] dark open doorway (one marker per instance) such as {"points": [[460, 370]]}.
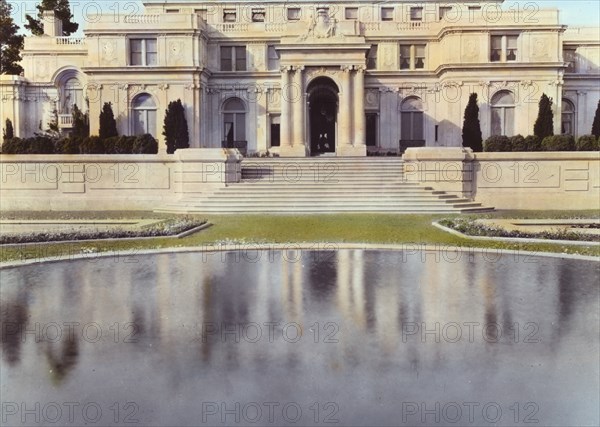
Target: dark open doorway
{"points": [[323, 110]]}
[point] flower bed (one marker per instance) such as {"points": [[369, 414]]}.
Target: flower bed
{"points": [[163, 229], [471, 227]]}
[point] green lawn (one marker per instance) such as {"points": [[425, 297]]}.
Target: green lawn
{"points": [[333, 228]]}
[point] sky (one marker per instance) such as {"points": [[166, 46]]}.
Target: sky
{"points": [[572, 12]]}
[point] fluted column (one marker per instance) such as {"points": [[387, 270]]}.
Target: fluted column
{"points": [[286, 120], [298, 107], [359, 106], [345, 115]]}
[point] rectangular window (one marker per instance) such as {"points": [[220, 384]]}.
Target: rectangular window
{"points": [[372, 58], [511, 48], [352, 13], [172, 10], [405, 57], [416, 13], [503, 48], [273, 58], [229, 15], [444, 11], [293, 13], [143, 52], [233, 58], [258, 15], [496, 49], [387, 13], [420, 56]]}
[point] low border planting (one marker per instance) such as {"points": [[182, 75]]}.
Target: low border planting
{"points": [[167, 228], [471, 227], [531, 143]]}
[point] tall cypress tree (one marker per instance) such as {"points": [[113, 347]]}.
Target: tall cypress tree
{"points": [[11, 43], [175, 127], [471, 127], [544, 124], [8, 131], [108, 124], [63, 12], [81, 124], [596, 124]]}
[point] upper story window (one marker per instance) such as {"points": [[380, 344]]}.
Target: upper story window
{"points": [[293, 13], [233, 58], [143, 52], [503, 48], [258, 15], [387, 13], [202, 13], [172, 10], [229, 15], [372, 58], [416, 13], [570, 57], [351, 13], [444, 11], [412, 57], [273, 58]]}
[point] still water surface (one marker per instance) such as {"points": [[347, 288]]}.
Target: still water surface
{"points": [[346, 337]]}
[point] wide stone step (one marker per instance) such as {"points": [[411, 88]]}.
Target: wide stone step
{"points": [[317, 210]]}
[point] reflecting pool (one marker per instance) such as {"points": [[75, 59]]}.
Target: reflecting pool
{"points": [[349, 337]]}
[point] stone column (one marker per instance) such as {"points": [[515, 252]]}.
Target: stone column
{"points": [[344, 137], [285, 107], [581, 113], [298, 107], [359, 106], [289, 147]]}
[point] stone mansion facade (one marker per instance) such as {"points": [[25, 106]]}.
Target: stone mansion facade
{"points": [[305, 78]]}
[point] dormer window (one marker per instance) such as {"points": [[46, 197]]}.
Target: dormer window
{"points": [[229, 15], [351, 13], [416, 13], [387, 13], [293, 13], [258, 15]]}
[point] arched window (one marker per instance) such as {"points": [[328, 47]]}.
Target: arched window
{"points": [[503, 113], [72, 94], [411, 120], [143, 110], [234, 123], [568, 118]]}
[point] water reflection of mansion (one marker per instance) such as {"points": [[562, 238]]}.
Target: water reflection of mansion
{"points": [[279, 76]]}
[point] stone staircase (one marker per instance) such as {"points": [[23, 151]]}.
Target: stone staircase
{"points": [[324, 185]]}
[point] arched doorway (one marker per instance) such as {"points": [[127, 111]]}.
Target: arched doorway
{"points": [[322, 113]]}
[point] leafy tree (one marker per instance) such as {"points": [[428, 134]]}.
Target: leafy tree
{"points": [[596, 124], [53, 128], [108, 124], [11, 43], [8, 132], [175, 127], [63, 12], [81, 123], [544, 124], [471, 128]]}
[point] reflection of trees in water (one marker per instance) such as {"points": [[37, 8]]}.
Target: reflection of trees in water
{"points": [[13, 320], [62, 357]]}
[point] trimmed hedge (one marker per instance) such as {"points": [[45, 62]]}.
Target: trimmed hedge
{"points": [[559, 143], [533, 143], [517, 143], [142, 144], [588, 143], [497, 143]]}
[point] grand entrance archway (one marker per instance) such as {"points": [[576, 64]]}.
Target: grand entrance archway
{"points": [[323, 101]]}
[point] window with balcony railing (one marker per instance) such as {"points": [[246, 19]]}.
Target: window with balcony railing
{"points": [[229, 15], [258, 15], [416, 13]]}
